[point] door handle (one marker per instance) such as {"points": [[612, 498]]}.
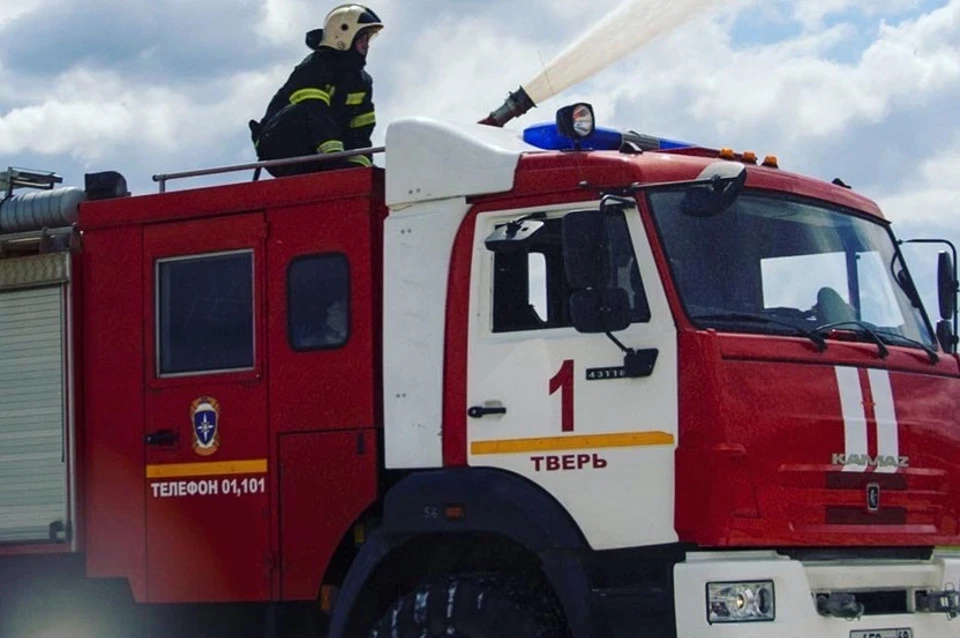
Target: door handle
{"points": [[480, 411], [163, 438]]}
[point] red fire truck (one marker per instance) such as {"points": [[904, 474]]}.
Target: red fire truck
{"points": [[557, 383]]}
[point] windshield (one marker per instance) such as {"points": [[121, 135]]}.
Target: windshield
{"points": [[770, 263]]}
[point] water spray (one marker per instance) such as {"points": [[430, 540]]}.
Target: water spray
{"points": [[631, 25]]}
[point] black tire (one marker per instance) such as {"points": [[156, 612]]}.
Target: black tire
{"points": [[473, 606]]}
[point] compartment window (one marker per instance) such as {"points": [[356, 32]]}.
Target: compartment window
{"points": [[318, 302], [205, 310]]}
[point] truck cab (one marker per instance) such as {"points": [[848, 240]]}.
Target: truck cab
{"points": [[758, 417]]}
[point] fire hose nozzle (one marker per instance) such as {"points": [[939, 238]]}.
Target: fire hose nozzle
{"points": [[516, 104]]}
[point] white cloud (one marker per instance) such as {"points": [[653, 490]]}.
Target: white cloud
{"points": [[281, 18], [793, 87], [811, 13], [931, 197], [10, 11], [93, 116]]}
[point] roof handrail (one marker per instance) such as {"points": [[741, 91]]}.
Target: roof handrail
{"points": [[15, 177], [163, 178]]}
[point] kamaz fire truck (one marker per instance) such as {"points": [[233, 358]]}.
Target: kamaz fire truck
{"points": [[559, 383]]}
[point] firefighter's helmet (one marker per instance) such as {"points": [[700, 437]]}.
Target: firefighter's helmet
{"points": [[344, 22]]}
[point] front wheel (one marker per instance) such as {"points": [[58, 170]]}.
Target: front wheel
{"points": [[473, 606]]}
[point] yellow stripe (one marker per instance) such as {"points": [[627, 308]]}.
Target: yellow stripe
{"points": [[355, 98], [331, 146], [172, 470], [310, 94], [364, 120], [582, 442]]}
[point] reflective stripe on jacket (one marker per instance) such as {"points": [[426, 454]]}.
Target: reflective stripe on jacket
{"points": [[331, 94]]}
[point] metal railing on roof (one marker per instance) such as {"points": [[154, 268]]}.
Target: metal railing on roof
{"points": [[257, 167], [13, 178]]}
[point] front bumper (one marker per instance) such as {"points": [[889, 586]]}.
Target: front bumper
{"points": [[797, 585]]}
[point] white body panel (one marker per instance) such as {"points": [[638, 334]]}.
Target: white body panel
{"points": [[631, 424], [795, 585], [36, 440], [432, 167], [428, 159], [417, 248]]}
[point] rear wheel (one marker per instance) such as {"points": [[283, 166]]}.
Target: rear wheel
{"points": [[473, 606]]}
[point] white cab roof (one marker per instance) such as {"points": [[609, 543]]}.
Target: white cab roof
{"points": [[428, 160]]}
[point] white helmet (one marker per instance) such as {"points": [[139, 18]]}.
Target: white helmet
{"points": [[343, 24]]}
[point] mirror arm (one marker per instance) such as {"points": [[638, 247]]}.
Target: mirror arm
{"points": [[515, 224], [616, 202], [618, 343], [636, 364]]}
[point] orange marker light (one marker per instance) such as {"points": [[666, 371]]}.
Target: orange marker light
{"points": [[749, 157], [727, 154], [771, 161], [454, 512], [328, 596]]}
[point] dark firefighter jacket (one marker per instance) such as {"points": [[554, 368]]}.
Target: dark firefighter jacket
{"points": [[325, 106]]}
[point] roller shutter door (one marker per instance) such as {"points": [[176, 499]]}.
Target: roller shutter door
{"points": [[33, 445]]}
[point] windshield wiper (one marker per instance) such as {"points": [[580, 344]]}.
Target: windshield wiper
{"points": [[899, 339], [813, 336], [865, 330]]}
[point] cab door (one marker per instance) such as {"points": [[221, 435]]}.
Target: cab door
{"points": [[205, 438], [555, 405]]}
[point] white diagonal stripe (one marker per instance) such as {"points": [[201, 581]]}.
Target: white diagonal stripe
{"points": [[888, 439], [854, 419]]}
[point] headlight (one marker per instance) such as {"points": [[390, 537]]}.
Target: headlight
{"points": [[740, 602]]}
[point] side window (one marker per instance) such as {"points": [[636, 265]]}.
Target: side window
{"points": [[205, 313], [530, 289], [318, 302]]}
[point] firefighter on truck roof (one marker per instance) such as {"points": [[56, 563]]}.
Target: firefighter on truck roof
{"points": [[326, 105]]}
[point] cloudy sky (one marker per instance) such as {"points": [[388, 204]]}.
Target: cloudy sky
{"points": [[865, 90]]}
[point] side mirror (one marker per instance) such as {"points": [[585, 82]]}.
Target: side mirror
{"points": [[946, 286], [585, 255], [948, 341], [711, 199], [599, 311]]}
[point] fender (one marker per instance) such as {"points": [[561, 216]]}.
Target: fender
{"points": [[493, 501]]}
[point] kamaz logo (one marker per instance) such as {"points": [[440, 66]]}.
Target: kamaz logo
{"points": [[864, 460]]}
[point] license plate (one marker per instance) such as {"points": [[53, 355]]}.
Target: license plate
{"points": [[882, 633]]}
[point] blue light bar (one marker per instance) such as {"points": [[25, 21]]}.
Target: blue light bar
{"points": [[671, 145], [547, 137]]}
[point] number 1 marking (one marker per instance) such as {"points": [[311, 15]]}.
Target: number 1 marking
{"points": [[563, 381]]}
